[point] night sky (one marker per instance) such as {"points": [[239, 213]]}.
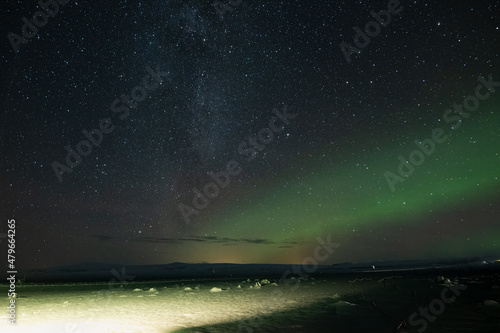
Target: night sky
{"points": [[303, 135]]}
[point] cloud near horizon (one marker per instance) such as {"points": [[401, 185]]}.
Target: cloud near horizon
{"points": [[205, 239]]}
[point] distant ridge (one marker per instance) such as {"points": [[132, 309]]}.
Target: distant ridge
{"points": [[93, 272]]}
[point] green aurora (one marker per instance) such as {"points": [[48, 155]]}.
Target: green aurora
{"points": [[462, 175]]}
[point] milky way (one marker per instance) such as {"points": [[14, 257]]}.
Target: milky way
{"points": [[225, 77]]}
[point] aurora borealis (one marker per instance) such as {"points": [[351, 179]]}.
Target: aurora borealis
{"points": [[319, 173]]}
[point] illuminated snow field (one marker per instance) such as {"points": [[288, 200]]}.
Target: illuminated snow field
{"points": [[347, 303]]}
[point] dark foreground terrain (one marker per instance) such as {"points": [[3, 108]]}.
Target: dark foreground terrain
{"points": [[455, 300]]}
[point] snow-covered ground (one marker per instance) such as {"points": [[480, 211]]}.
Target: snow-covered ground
{"points": [[341, 304]]}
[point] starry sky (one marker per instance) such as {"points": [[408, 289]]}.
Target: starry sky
{"points": [[300, 136]]}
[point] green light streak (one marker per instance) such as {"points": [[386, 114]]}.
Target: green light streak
{"points": [[462, 172]]}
